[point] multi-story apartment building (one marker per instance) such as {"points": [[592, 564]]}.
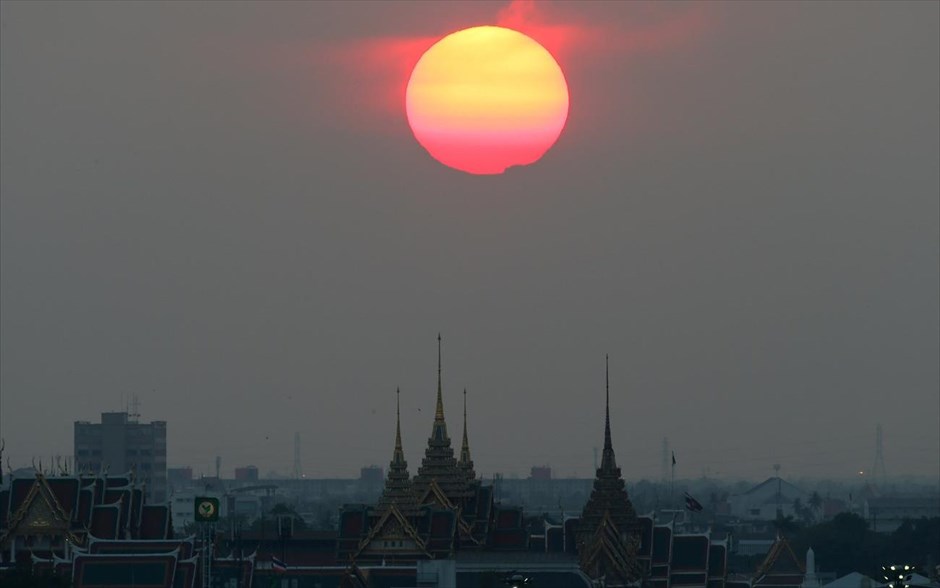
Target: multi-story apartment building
{"points": [[120, 444]]}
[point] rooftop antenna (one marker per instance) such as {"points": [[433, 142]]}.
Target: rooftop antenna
{"points": [[133, 414]]}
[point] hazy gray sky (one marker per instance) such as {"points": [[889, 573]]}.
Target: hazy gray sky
{"points": [[220, 208]]}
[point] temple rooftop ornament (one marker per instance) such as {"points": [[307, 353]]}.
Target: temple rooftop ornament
{"points": [[439, 464], [398, 488], [466, 462], [606, 536]]}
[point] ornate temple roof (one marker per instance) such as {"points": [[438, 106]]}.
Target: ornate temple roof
{"points": [[781, 567], [439, 463], [398, 487], [394, 528], [608, 520], [34, 508]]}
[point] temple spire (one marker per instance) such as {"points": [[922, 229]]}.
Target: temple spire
{"points": [[466, 462], [466, 443], [608, 462], [439, 464], [439, 412], [399, 455], [608, 517], [398, 488]]}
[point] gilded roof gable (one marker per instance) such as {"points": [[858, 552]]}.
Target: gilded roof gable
{"points": [[39, 513], [393, 526]]}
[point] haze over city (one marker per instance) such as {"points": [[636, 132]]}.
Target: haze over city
{"points": [[219, 208]]}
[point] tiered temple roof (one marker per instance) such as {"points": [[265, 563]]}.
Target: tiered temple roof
{"points": [[398, 487], [92, 530], [439, 467], [606, 538]]}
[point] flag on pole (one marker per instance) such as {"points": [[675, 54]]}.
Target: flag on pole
{"points": [[673, 458], [277, 565], [693, 504]]}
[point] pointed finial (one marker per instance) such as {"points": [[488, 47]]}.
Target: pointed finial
{"points": [[439, 411], [465, 459], [397, 417], [607, 442], [608, 462], [398, 455]]}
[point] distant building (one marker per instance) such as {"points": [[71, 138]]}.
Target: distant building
{"points": [[372, 475], [119, 445], [246, 474], [180, 476], [764, 501], [886, 514], [540, 473]]}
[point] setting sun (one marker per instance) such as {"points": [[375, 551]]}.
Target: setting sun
{"points": [[487, 98]]}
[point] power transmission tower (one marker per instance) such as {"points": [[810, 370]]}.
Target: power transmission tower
{"points": [[297, 471], [878, 473]]}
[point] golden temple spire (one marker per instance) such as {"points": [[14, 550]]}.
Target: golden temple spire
{"points": [[608, 463], [398, 488], [465, 464], [439, 411], [465, 449], [399, 454], [465, 416]]}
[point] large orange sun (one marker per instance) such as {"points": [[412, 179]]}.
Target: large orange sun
{"points": [[487, 98]]}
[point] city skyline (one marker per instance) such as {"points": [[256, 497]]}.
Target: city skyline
{"points": [[221, 209]]}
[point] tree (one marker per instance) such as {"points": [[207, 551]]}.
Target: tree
{"points": [[916, 542], [786, 525], [845, 544], [802, 511], [816, 502]]}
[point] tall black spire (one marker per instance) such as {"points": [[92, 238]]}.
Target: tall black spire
{"points": [[466, 462], [608, 506], [399, 455], [439, 430], [608, 462]]}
